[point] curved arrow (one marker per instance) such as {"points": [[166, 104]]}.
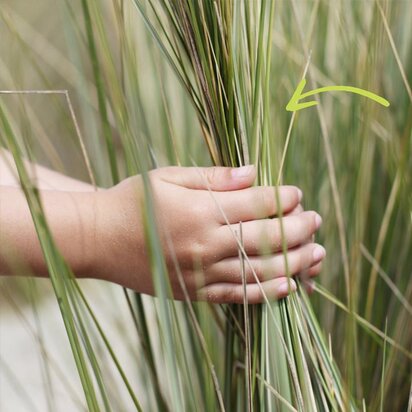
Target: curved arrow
{"points": [[294, 104]]}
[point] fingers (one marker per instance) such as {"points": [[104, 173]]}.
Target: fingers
{"points": [[255, 293], [266, 235], [213, 178], [298, 209], [306, 277], [313, 271], [257, 203], [303, 259], [277, 288]]}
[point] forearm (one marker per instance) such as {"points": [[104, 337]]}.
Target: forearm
{"points": [[42, 177], [71, 217]]}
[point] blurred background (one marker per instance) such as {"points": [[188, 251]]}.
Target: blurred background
{"points": [[367, 44]]}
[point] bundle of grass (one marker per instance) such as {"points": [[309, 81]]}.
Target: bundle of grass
{"points": [[221, 53]]}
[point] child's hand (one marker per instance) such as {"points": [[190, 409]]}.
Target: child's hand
{"points": [[204, 245]]}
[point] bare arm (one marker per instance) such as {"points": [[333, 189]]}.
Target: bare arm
{"points": [[43, 178], [100, 233], [70, 216], [69, 207]]}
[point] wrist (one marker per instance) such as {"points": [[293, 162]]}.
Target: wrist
{"points": [[118, 232], [80, 254]]}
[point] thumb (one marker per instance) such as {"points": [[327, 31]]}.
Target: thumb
{"points": [[213, 178]]}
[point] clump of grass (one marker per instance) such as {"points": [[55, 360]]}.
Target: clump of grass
{"points": [[221, 52], [227, 70]]}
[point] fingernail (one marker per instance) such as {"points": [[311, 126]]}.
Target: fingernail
{"points": [[241, 172], [300, 194], [287, 286], [319, 253], [318, 221]]}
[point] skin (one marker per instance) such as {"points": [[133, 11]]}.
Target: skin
{"points": [[100, 232]]}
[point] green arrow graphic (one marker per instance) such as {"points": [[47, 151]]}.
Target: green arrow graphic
{"points": [[294, 104]]}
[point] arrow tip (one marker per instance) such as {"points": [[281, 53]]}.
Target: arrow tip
{"points": [[294, 104]]}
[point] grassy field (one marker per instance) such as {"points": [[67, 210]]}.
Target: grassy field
{"points": [[140, 104]]}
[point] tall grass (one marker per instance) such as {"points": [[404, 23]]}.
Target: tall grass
{"points": [[221, 53], [226, 70]]}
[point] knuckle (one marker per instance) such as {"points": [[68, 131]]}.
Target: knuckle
{"points": [[289, 194], [228, 294], [307, 222], [268, 200], [275, 233], [285, 265], [256, 271], [194, 252], [309, 252], [299, 263], [164, 172], [297, 194], [238, 294], [313, 225], [209, 295], [199, 209], [211, 175]]}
